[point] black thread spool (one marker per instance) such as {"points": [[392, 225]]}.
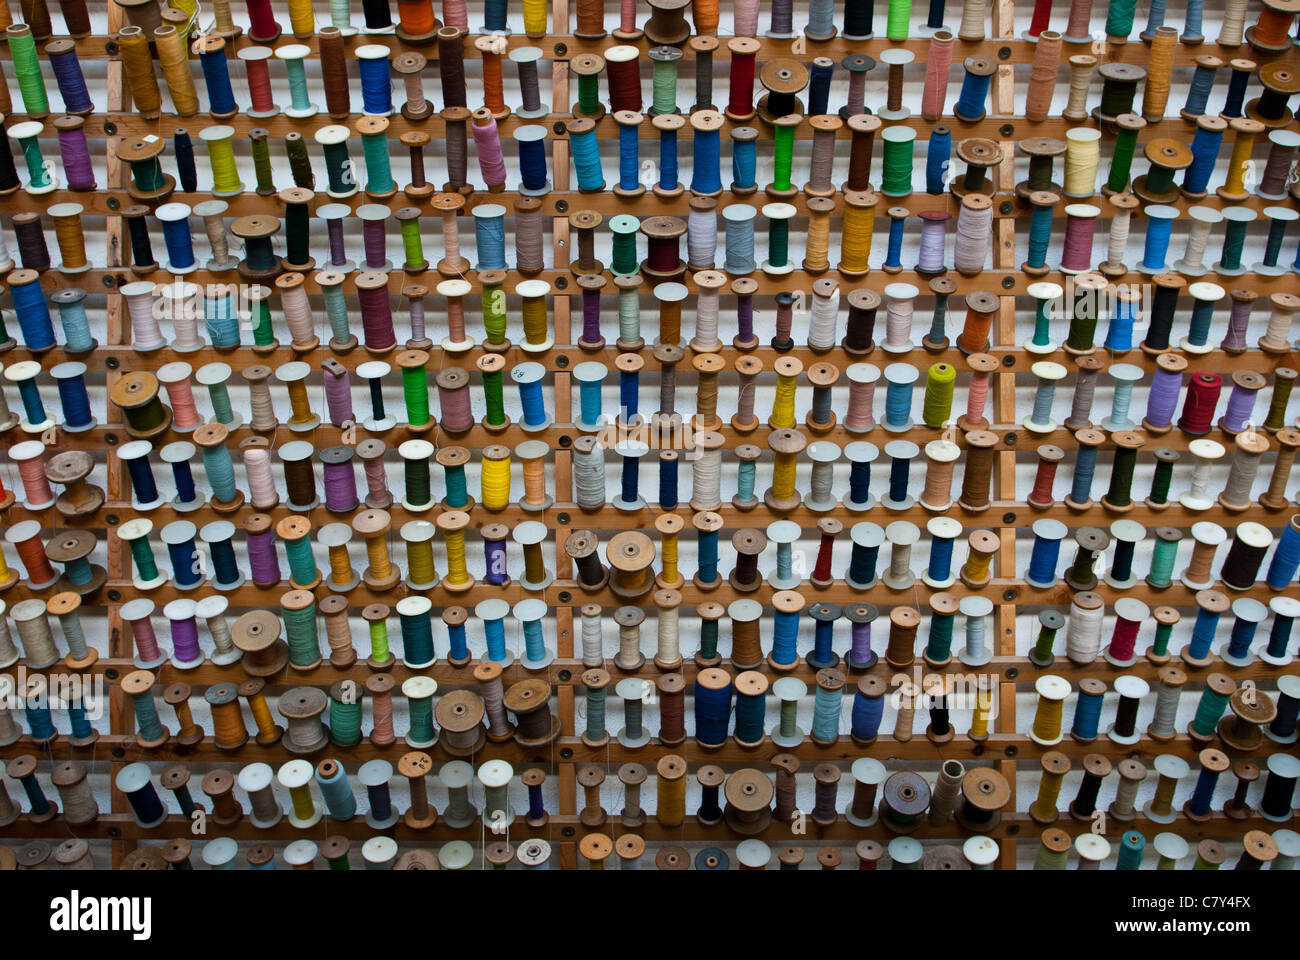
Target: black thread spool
{"points": [[33, 253], [783, 80], [939, 730], [9, 182], [859, 333], [299, 478], [904, 797], [1164, 302], [985, 793], [1119, 83], [1280, 82], [583, 548], [1241, 566], [1095, 769], [378, 17]]}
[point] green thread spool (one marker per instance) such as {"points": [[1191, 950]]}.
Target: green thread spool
{"points": [[783, 155], [1164, 633], [1284, 380], [938, 648], [1209, 710], [415, 387], [295, 151], [1162, 478], [1235, 221], [939, 384], [493, 394], [27, 69], [1163, 552], [1203, 864], [623, 228], [1121, 157], [220, 399], [588, 94], [420, 711], [416, 476], [300, 631], [778, 236], [897, 176], [629, 315], [148, 174], [1048, 625], [663, 82], [260, 148], [26, 134], [345, 715], [494, 310], [412, 245], [302, 565], [221, 158], [1160, 179], [142, 555], [1119, 18], [596, 712], [379, 652], [338, 165], [899, 19], [297, 218], [1089, 299], [336, 305], [1121, 477], [259, 314], [374, 150]]}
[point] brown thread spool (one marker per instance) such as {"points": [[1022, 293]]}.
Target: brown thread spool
{"points": [[227, 721], [977, 479], [302, 708], [380, 687], [528, 701], [940, 455], [1288, 440], [748, 544], [460, 718], [219, 787], [1042, 76], [862, 129], [177, 696], [338, 632], [749, 796], [903, 623], [672, 708], [668, 356], [707, 366], [590, 778]]}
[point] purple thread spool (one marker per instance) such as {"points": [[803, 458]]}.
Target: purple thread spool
{"points": [[334, 214], [340, 479], [861, 656], [263, 561], [186, 652], [373, 235], [75, 154], [338, 392], [494, 553], [744, 289], [1166, 385], [1246, 385], [591, 285]]}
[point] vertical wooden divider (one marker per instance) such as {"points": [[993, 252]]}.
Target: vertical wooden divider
{"points": [[566, 772], [1004, 258]]}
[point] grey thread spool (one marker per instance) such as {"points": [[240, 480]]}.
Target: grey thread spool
{"points": [[34, 633], [946, 788], [79, 807], [8, 651]]}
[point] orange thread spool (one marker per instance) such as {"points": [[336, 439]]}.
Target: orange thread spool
{"points": [[416, 17]]}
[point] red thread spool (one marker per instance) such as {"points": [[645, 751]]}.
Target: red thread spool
{"points": [[1128, 618], [1200, 403], [1042, 17], [1049, 458], [622, 64], [376, 311], [825, 546], [32, 553], [262, 27], [258, 71], [740, 96]]}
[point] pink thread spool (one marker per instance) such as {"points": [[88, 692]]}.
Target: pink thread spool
{"points": [[1080, 225]]}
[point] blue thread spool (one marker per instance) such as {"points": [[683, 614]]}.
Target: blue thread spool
{"points": [[187, 174], [492, 612], [376, 85], [590, 376], [1119, 334], [135, 455], [221, 318], [863, 561], [706, 550], [31, 309], [1205, 151], [1286, 558], [585, 149], [629, 387], [738, 231], [1198, 805], [1085, 466], [706, 168], [179, 536], [39, 721], [900, 379], [1192, 18], [23, 376], [943, 532], [216, 77], [1248, 615], [668, 125], [490, 236], [334, 787], [134, 781], [751, 703], [417, 631], [868, 711], [218, 466], [1160, 224], [178, 455], [72, 317], [744, 160], [861, 455], [1087, 710], [1198, 92], [458, 646], [900, 453], [819, 81], [630, 452], [83, 734], [1211, 606], [894, 247], [1278, 220], [822, 655], [713, 690], [785, 629], [529, 613], [938, 158], [828, 704], [528, 377], [1285, 610], [70, 377], [974, 89], [176, 234], [531, 140], [629, 153], [494, 17], [668, 461]]}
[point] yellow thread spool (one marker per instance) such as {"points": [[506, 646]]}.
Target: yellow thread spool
{"points": [[858, 229], [301, 19], [979, 721], [670, 806], [1052, 691], [495, 477], [1082, 150], [1055, 766], [453, 524], [535, 18], [787, 374], [1246, 131], [537, 335], [668, 526]]}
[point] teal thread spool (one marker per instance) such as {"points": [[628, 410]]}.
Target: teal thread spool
{"points": [[138, 685], [336, 790], [136, 533], [623, 261], [1214, 701], [296, 534], [417, 631], [345, 713], [1163, 553], [342, 179], [595, 682], [298, 611], [453, 460], [778, 215], [1046, 295], [419, 693], [938, 649], [1131, 847], [1119, 19], [1166, 618], [293, 55], [336, 307], [374, 150], [827, 707], [1236, 220], [39, 177], [710, 613]]}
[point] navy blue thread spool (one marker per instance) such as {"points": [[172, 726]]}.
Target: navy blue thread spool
{"points": [[713, 689], [865, 557], [374, 775], [901, 453], [858, 16], [668, 463], [1213, 762], [142, 257], [860, 454], [1238, 81], [134, 781], [631, 452], [179, 455], [939, 572], [822, 654], [785, 630], [531, 141], [70, 378], [211, 51], [187, 173], [179, 536], [1279, 788], [819, 86], [219, 537], [1283, 727], [175, 219], [1248, 614], [135, 454]]}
